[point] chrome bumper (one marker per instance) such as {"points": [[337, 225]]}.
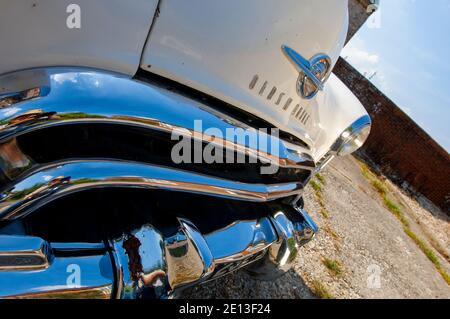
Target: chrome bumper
{"points": [[145, 263]]}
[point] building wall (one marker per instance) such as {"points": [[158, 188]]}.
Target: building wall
{"points": [[402, 150], [357, 10]]}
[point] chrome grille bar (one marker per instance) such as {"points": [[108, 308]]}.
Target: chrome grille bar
{"points": [[59, 179], [76, 96]]}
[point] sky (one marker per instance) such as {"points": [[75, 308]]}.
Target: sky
{"points": [[407, 44]]}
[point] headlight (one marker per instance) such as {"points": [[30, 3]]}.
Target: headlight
{"points": [[353, 137]]}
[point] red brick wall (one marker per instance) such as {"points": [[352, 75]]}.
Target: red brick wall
{"points": [[402, 150], [357, 10]]}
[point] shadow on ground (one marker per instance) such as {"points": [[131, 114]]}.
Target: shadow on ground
{"points": [[241, 286]]}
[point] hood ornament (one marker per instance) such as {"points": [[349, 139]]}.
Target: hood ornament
{"points": [[313, 73]]}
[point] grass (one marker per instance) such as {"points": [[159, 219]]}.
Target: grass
{"points": [[331, 232], [444, 275], [397, 212], [379, 187], [333, 266], [426, 250], [318, 191], [325, 214], [382, 190], [429, 253], [320, 178], [315, 186], [320, 290], [365, 170]]}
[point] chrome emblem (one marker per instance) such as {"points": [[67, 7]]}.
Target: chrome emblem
{"points": [[313, 73]]}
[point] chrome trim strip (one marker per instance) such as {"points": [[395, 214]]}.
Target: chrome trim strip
{"points": [[23, 253], [58, 179], [75, 95], [324, 161], [78, 247]]}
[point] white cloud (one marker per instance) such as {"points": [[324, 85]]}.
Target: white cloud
{"points": [[366, 63], [62, 77], [360, 57], [10, 111]]}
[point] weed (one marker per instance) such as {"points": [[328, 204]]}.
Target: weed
{"points": [[394, 209], [331, 232], [320, 178], [333, 266], [379, 187], [316, 186], [320, 290], [324, 213]]}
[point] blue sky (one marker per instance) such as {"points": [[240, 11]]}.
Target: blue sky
{"points": [[408, 46]]}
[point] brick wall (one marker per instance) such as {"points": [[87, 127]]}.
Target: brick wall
{"points": [[402, 150], [357, 11]]}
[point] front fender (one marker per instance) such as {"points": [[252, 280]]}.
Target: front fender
{"points": [[338, 109]]}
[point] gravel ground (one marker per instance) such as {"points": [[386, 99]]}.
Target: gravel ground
{"points": [[375, 258]]}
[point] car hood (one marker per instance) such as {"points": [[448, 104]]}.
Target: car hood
{"points": [[239, 59]]}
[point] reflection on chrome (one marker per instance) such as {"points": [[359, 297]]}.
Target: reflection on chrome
{"points": [[145, 263], [88, 96], [16, 97], [188, 255], [13, 161], [23, 253], [241, 239], [292, 234], [53, 181], [54, 281], [150, 264], [140, 263]]}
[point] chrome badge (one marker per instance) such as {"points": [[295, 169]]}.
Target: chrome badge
{"points": [[313, 73]]}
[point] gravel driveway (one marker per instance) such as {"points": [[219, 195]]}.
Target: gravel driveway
{"points": [[362, 250]]}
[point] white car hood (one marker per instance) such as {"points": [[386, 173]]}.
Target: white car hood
{"points": [[219, 47]]}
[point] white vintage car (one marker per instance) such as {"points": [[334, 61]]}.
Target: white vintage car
{"points": [[149, 146]]}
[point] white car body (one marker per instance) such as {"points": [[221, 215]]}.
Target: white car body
{"points": [[191, 43], [103, 164]]}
